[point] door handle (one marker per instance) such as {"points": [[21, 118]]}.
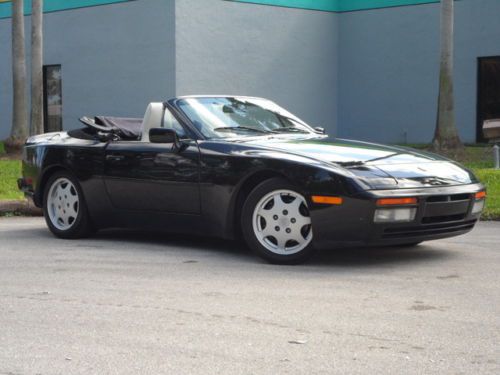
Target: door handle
{"points": [[115, 157]]}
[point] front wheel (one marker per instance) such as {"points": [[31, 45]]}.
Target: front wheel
{"points": [[276, 223], [64, 207]]}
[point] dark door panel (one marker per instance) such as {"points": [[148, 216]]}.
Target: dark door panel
{"points": [[172, 197], [153, 177]]}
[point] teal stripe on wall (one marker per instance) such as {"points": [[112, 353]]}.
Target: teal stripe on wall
{"points": [[350, 5], [326, 5], [55, 5], [338, 5]]}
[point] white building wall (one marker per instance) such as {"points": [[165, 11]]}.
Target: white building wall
{"points": [[284, 54]]}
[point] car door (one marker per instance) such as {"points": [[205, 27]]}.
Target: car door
{"points": [[146, 176]]}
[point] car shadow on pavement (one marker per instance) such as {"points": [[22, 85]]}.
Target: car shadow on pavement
{"points": [[236, 250], [376, 256], [194, 242]]}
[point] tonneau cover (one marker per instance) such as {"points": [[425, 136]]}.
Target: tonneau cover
{"points": [[124, 127]]}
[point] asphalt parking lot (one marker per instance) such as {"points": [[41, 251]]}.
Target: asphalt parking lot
{"points": [[142, 303]]}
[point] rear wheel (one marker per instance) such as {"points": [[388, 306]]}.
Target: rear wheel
{"points": [[276, 223], [64, 207]]}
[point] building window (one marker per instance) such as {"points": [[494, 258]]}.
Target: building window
{"points": [[488, 101], [52, 98]]}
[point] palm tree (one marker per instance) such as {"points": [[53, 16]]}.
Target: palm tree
{"points": [[19, 130], [446, 134], [37, 67]]}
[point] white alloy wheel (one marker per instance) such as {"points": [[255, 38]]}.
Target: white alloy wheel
{"points": [[281, 222], [62, 204]]}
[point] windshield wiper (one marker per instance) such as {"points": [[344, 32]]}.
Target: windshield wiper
{"points": [[351, 163], [289, 129], [230, 128]]}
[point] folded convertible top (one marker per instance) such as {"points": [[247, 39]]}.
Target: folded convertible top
{"points": [[123, 127]]}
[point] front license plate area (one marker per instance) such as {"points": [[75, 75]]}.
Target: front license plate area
{"points": [[446, 208]]}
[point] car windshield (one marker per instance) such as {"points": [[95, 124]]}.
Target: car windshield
{"points": [[229, 117]]}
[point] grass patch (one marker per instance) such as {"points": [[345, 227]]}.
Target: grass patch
{"points": [[10, 171], [477, 157], [491, 178], [474, 156]]}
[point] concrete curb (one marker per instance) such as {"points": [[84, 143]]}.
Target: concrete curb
{"points": [[19, 207]]}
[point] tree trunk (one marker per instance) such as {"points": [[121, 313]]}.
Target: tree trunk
{"points": [[19, 130], [446, 134], [37, 67]]}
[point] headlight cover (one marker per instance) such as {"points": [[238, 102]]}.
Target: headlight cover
{"points": [[395, 215], [478, 207]]}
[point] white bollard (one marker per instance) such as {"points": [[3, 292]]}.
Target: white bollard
{"points": [[496, 156]]}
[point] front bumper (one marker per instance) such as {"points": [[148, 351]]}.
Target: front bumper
{"points": [[441, 212]]}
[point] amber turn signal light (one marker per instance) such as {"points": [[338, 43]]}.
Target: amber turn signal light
{"points": [[396, 201], [480, 194], [326, 199]]}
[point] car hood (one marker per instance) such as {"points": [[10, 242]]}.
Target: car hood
{"points": [[380, 166]]}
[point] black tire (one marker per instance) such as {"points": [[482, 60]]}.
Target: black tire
{"points": [[247, 226], [410, 244], [81, 225]]}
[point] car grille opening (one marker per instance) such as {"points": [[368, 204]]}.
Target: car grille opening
{"points": [[427, 230], [442, 219], [446, 208], [448, 198]]}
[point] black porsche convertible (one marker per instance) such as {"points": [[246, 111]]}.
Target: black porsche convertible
{"points": [[232, 167]]}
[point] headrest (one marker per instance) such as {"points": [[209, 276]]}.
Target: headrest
{"points": [[152, 119]]}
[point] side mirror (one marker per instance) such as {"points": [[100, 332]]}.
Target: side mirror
{"points": [[162, 135], [319, 129]]}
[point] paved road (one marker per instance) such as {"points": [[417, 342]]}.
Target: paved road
{"points": [[160, 304]]}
